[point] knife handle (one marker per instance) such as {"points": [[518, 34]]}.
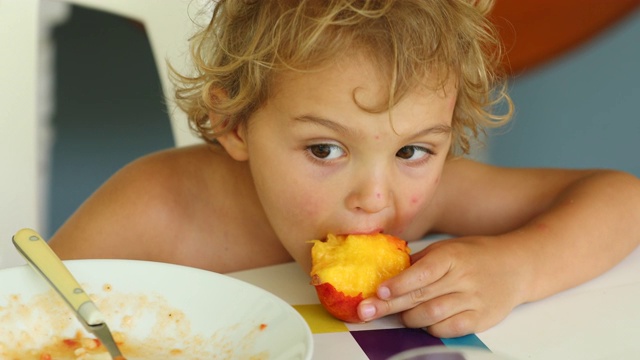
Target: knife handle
{"points": [[40, 256]]}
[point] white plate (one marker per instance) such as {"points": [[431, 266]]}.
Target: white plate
{"points": [[158, 308]]}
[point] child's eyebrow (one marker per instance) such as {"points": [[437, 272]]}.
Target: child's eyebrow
{"points": [[436, 129], [324, 122]]}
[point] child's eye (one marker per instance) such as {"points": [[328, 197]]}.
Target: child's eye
{"points": [[325, 151], [413, 152]]}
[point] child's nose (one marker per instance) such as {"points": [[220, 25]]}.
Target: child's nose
{"points": [[371, 194]]}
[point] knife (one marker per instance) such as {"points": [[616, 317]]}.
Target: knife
{"points": [[42, 259]]}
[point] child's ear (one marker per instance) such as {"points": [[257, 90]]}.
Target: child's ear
{"points": [[235, 142]]}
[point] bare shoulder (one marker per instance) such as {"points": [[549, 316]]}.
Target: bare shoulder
{"points": [[190, 206], [481, 199], [137, 202], [144, 209]]}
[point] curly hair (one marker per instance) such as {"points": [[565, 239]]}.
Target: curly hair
{"points": [[249, 42]]}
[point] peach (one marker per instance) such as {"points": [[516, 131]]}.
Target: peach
{"points": [[349, 268]]}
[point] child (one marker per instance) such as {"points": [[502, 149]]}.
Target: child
{"points": [[353, 117]]}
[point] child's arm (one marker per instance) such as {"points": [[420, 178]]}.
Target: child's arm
{"points": [[525, 234]]}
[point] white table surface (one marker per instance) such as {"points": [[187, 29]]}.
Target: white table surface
{"points": [[599, 319]]}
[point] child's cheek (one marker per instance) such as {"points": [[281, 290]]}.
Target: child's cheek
{"points": [[309, 207], [416, 203]]}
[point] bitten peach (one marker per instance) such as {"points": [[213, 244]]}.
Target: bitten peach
{"points": [[348, 268]]}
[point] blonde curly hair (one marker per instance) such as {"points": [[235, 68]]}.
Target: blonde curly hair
{"points": [[249, 42]]}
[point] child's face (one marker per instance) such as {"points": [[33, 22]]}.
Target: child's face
{"points": [[322, 164]]}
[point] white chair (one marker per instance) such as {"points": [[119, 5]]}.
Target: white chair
{"points": [[168, 24]]}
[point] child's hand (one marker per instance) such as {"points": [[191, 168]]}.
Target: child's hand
{"points": [[453, 288]]}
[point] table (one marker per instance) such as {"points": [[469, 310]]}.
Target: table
{"points": [[599, 319]]}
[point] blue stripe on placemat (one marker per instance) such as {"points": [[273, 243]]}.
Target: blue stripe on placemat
{"points": [[469, 340]]}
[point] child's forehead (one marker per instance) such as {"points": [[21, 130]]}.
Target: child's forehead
{"points": [[354, 80], [357, 69]]}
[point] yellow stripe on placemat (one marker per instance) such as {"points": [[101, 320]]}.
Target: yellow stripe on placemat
{"points": [[319, 320]]}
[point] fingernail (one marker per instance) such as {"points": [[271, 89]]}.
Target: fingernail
{"points": [[384, 293], [367, 311]]}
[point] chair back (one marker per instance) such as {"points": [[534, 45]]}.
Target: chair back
{"points": [[23, 145]]}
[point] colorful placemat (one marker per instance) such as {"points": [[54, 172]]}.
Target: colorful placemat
{"points": [[377, 340]]}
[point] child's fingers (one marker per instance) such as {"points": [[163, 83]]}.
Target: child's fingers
{"points": [[460, 324], [436, 310], [374, 307], [416, 280]]}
